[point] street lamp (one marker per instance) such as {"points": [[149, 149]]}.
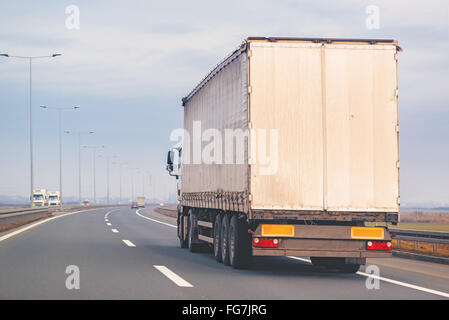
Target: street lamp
{"points": [[60, 109], [30, 59], [120, 181], [143, 183], [133, 170], [94, 148], [79, 160], [107, 178]]}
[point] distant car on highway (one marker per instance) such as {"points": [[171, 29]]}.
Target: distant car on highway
{"points": [[85, 203], [134, 205]]}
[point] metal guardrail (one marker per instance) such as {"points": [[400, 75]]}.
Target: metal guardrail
{"points": [[17, 210], [167, 209], [421, 233], [417, 236], [18, 216], [49, 209]]}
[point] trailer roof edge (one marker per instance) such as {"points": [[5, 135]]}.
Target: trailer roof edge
{"points": [[242, 48]]}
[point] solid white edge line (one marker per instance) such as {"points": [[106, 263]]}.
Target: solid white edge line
{"points": [[399, 283], [129, 243], [404, 284], [164, 223], [11, 234], [114, 230], [173, 277]]}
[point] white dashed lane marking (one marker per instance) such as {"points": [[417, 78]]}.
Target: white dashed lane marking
{"points": [[173, 277], [129, 243]]}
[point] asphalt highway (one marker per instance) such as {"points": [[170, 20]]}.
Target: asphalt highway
{"points": [[119, 253]]}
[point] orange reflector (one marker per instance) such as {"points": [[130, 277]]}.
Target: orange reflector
{"points": [[278, 230], [367, 233]]}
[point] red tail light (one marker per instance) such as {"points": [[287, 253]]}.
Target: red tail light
{"points": [[265, 243], [378, 245]]}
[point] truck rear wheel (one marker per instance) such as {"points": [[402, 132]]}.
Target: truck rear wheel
{"points": [[224, 237], [217, 238], [337, 264], [182, 241], [238, 243]]}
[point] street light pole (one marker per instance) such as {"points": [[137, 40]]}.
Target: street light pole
{"points": [[107, 169], [60, 158], [120, 197], [107, 176], [95, 180], [60, 143], [132, 185], [95, 186], [79, 160], [143, 184], [133, 171], [30, 59], [31, 139], [121, 174]]}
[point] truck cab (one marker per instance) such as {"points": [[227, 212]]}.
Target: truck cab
{"points": [[174, 166], [54, 198], [39, 198]]}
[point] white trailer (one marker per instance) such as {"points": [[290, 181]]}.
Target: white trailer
{"points": [[290, 148]]}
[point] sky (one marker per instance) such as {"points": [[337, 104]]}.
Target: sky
{"points": [[130, 63]]}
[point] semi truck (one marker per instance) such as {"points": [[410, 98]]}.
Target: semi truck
{"points": [[54, 198], [290, 148], [140, 201], [39, 198]]}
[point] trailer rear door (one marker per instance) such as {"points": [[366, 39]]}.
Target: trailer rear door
{"points": [[334, 108]]}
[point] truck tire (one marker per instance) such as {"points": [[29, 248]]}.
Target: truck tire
{"points": [[182, 241], [192, 233], [238, 243], [337, 264], [224, 239], [217, 237]]}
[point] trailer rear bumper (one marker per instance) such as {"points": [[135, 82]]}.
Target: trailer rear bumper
{"points": [[321, 241], [321, 253]]}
